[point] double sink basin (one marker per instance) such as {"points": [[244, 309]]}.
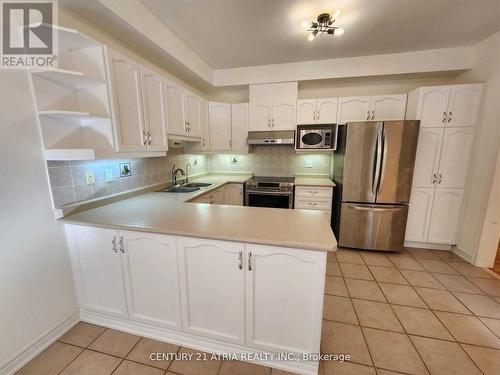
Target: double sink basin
{"points": [[187, 188]]}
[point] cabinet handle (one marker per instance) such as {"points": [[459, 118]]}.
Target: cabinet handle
{"points": [[450, 116], [240, 258], [440, 178], [114, 244], [368, 114], [250, 261], [121, 245], [444, 117], [373, 114], [434, 178]]}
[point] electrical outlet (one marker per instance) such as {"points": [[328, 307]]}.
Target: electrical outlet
{"points": [[309, 164], [90, 176], [234, 159], [109, 174]]}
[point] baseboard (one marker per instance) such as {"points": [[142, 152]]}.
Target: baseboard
{"points": [[38, 345], [463, 254], [192, 341], [428, 245]]}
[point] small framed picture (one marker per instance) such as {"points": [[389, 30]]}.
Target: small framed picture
{"points": [[125, 170]]}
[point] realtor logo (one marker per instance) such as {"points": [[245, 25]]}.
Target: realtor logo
{"points": [[28, 37]]}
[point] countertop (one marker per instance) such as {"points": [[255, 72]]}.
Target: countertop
{"points": [[170, 213]]}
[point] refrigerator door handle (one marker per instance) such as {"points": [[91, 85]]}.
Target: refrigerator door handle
{"points": [[377, 162], [383, 161]]}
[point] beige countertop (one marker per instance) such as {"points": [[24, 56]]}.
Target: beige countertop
{"points": [[170, 213]]}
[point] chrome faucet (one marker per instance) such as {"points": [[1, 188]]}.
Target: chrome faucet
{"points": [[174, 174], [187, 175]]}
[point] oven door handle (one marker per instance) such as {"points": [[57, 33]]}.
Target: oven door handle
{"points": [[267, 192]]}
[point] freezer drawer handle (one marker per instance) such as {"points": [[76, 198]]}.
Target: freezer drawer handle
{"points": [[363, 208]]}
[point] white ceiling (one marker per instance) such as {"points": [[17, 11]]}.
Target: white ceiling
{"points": [[237, 33]]}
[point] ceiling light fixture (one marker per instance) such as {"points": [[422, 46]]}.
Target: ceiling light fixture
{"points": [[323, 24]]}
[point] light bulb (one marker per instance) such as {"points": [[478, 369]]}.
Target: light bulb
{"points": [[336, 14], [339, 31], [310, 37], [306, 24]]}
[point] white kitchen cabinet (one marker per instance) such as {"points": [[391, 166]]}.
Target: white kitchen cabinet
{"points": [[233, 194], [275, 301], [175, 109], [212, 285], [239, 127], [204, 126], [455, 156], [127, 98], [220, 126], [445, 215], [464, 104], [154, 111], [317, 111], [151, 278], [97, 267], [388, 107], [425, 173], [260, 116], [191, 114], [354, 108], [419, 214]]}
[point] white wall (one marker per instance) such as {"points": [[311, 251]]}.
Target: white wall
{"points": [[471, 232], [36, 287]]}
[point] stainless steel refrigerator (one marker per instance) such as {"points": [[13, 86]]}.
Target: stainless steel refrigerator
{"points": [[373, 170]]}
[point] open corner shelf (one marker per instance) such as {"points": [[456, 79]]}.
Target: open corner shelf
{"points": [[75, 115], [67, 77], [69, 154]]}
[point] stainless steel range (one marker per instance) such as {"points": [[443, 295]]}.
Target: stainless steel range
{"points": [[276, 192]]}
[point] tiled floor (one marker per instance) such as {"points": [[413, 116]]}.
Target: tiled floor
{"points": [[417, 312]]}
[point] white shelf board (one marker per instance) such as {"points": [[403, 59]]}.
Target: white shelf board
{"points": [[67, 77], [69, 154], [70, 114]]}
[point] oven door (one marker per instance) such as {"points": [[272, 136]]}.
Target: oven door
{"points": [[312, 138], [273, 199]]}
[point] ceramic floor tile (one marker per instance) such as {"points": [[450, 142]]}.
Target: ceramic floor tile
{"points": [[423, 279], [52, 360], [333, 269], [115, 343], [349, 256], [489, 286], [406, 263], [441, 300], [422, 253], [335, 285], [468, 329], [467, 269], [393, 351], [480, 305], [339, 309], [437, 266], [376, 260], [343, 338], [492, 324], [192, 365], [488, 360], [132, 368], [457, 283], [82, 334], [355, 271], [421, 322], [142, 351], [388, 275], [376, 315], [242, 368], [345, 368], [365, 289], [94, 363], [401, 295], [442, 357]]}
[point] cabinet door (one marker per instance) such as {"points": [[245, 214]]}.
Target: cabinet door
{"points": [[427, 157], [455, 156], [260, 116], [284, 298], [433, 106], [100, 269], [326, 110], [463, 109], [220, 126], [192, 114], [354, 108], [175, 109], [388, 107], [419, 214], [306, 111], [204, 126], [445, 215], [154, 110], [233, 194], [212, 288], [283, 116], [151, 278], [239, 127], [129, 119]]}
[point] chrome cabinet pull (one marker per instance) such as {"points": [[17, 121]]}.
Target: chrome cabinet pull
{"points": [[114, 244], [434, 178], [250, 261], [444, 117], [121, 245], [240, 258], [440, 178], [450, 116]]}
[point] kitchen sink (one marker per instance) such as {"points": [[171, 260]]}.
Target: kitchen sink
{"points": [[182, 189], [196, 184]]}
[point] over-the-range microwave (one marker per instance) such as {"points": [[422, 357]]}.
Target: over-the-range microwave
{"points": [[316, 137]]}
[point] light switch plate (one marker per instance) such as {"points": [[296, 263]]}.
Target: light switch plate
{"points": [[309, 164], [109, 174], [90, 176]]}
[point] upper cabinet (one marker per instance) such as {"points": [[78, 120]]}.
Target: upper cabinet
{"points": [[317, 111], [443, 106], [378, 107], [220, 126]]}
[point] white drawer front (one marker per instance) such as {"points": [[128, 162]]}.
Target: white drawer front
{"points": [[314, 192], [313, 204]]}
